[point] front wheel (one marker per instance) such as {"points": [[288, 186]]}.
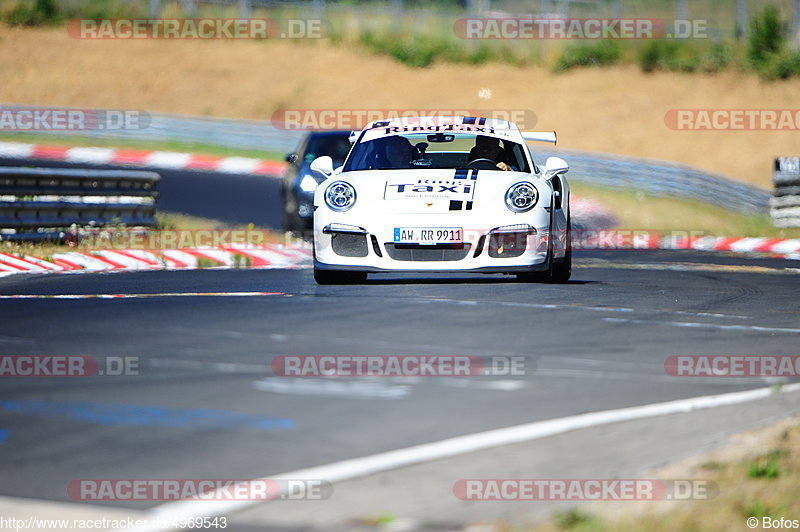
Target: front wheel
{"points": [[558, 271], [562, 269], [338, 277]]}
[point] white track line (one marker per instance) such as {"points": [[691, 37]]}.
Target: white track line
{"points": [[140, 296], [698, 325], [376, 463]]}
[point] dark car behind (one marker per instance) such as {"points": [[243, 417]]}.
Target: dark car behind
{"points": [[299, 181]]}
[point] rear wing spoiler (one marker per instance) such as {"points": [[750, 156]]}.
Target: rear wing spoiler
{"points": [[540, 136]]}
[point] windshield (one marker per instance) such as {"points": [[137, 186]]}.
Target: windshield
{"points": [[336, 146], [438, 151]]}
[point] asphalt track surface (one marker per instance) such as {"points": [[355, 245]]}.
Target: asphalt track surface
{"points": [[597, 343]]}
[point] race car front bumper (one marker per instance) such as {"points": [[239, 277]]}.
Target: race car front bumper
{"points": [[513, 247]]}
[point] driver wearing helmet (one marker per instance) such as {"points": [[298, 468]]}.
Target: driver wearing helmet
{"points": [[399, 152], [488, 148]]}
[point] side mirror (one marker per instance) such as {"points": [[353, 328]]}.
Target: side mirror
{"points": [[322, 165], [555, 166], [291, 158]]}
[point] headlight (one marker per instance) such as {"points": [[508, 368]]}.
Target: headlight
{"points": [[340, 196], [308, 183], [521, 197]]}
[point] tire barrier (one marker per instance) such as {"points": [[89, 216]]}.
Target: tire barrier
{"points": [[784, 205]]}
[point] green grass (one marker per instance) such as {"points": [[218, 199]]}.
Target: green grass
{"points": [[768, 50], [241, 261], [424, 34], [168, 145], [712, 465], [203, 262], [766, 466], [53, 13], [589, 53], [760, 509], [575, 519], [636, 210], [684, 56], [422, 50]]}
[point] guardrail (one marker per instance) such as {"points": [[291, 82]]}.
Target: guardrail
{"points": [[165, 127], [660, 178], [40, 202], [785, 201]]}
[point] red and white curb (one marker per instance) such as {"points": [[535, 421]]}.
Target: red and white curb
{"points": [[779, 247], [587, 212], [276, 256], [786, 248], [234, 256], [142, 158]]}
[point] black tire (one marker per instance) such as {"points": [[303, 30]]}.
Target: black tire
{"points": [[787, 191], [327, 277], [534, 277], [307, 229], [562, 269], [780, 179], [288, 221], [558, 270], [291, 222]]}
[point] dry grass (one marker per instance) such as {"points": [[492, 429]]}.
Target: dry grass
{"points": [[617, 110], [741, 495]]}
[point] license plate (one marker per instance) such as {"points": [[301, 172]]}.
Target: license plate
{"points": [[428, 235]]}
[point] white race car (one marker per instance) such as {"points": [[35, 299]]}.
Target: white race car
{"points": [[442, 194]]}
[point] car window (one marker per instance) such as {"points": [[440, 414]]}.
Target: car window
{"points": [[429, 151], [335, 146]]}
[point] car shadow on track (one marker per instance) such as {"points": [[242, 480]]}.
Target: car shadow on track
{"points": [[468, 280]]}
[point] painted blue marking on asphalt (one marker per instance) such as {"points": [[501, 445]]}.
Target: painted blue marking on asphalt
{"points": [[146, 416], [3, 435]]}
